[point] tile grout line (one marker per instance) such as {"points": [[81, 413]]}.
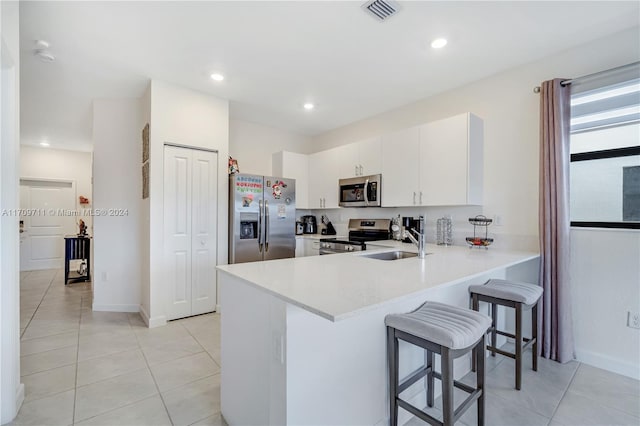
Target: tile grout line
{"points": [[201, 345], [40, 303], [555, 410], [75, 389], [164, 404]]}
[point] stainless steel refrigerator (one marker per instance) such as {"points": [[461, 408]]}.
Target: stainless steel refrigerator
{"points": [[262, 218]]}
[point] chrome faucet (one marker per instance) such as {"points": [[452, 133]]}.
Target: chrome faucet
{"points": [[420, 240]]}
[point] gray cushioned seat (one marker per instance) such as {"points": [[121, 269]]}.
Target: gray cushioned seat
{"points": [[509, 290], [446, 325]]}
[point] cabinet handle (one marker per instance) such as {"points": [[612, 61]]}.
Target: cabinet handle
{"points": [[420, 197], [361, 172], [414, 198], [355, 168], [320, 202]]}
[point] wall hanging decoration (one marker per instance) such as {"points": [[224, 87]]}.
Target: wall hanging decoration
{"points": [[145, 143], [233, 166], [83, 200], [145, 180]]}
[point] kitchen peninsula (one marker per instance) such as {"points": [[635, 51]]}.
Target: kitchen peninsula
{"points": [[303, 340]]}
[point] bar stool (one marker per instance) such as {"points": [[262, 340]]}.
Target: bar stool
{"points": [[439, 329], [514, 295]]}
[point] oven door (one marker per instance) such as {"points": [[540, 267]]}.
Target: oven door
{"points": [[362, 191]]}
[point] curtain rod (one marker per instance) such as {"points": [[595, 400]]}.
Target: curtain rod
{"points": [[590, 76]]}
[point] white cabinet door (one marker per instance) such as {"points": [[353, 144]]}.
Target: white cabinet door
{"points": [[190, 206], [451, 161], [400, 168], [294, 166], [346, 158], [324, 172], [370, 156]]}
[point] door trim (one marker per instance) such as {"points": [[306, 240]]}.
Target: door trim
{"points": [[177, 145]]}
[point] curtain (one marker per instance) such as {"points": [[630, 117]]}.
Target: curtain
{"points": [[556, 328]]}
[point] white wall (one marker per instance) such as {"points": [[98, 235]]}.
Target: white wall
{"points": [[145, 214], [47, 163], [511, 116], [117, 184], [605, 273], [253, 144], [11, 390], [186, 117]]}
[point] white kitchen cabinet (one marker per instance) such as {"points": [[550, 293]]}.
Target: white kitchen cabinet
{"points": [[401, 168], [307, 246], [361, 158], [451, 161], [324, 172], [294, 166]]}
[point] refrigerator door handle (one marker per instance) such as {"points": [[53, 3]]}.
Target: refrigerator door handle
{"points": [[266, 225], [260, 227]]}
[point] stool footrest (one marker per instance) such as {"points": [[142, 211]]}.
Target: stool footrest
{"points": [[414, 377], [418, 413], [459, 385], [504, 333]]}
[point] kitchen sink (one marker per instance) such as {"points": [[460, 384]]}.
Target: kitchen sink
{"points": [[392, 255]]}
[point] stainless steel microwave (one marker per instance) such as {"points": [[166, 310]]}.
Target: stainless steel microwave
{"points": [[361, 191]]}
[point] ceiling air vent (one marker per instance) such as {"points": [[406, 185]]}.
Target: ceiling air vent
{"points": [[381, 10]]}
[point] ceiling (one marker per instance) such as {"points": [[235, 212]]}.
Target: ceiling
{"points": [[278, 55]]}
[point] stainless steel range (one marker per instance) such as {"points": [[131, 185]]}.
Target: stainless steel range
{"points": [[360, 231]]}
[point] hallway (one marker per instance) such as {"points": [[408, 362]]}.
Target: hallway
{"points": [[105, 368]]}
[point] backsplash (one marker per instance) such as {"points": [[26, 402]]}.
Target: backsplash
{"points": [[461, 228]]}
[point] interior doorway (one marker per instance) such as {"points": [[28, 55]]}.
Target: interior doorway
{"points": [[48, 214]]}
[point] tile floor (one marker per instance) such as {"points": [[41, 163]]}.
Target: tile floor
{"points": [[103, 368], [106, 368]]}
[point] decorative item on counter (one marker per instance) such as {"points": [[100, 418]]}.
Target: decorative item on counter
{"points": [[396, 228], [233, 166], [82, 228], [329, 229], [83, 200], [478, 241], [443, 232]]}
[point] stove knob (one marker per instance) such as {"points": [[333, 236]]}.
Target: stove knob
{"points": [[349, 248]]}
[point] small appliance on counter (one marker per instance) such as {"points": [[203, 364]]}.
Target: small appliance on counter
{"points": [[479, 241], [310, 224], [328, 226], [396, 228], [299, 227], [407, 224]]}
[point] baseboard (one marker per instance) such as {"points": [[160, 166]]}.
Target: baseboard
{"points": [[116, 308], [217, 308], [608, 363], [158, 321], [19, 397]]}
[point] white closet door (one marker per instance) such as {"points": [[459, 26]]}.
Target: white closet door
{"points": [[190, 218], [177, 230], [205, 218]]}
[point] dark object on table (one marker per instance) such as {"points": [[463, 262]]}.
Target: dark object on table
{"points": [[329, 229], [77, 248], [310, 224]]}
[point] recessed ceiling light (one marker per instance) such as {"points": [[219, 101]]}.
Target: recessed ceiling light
{"points": [[44, 143], [439, 43], [309, 106], [217, 77]]}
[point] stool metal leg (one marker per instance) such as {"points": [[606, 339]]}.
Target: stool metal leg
{"points": [[480, 359], [430, 380], [392, 353], [518, 345], [494, 318], [475, 305], [534, 336], [446, 364]]}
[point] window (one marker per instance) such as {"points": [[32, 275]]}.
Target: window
{"points": [[605, 151]]}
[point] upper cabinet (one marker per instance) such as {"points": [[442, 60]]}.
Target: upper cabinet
{"points": [[435, 164], [401, 168], [324, 172], [293, 166], [361, 158], [451, 161]]}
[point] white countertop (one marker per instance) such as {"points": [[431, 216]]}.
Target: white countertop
{"points": [[338, 286]]}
